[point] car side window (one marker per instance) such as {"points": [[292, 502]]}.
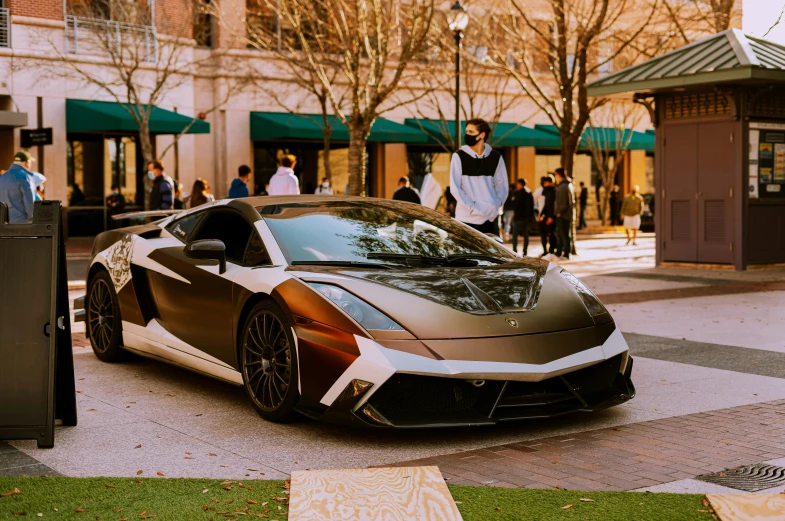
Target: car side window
{"points": [[256, 254], [228, 226], [182, 228]]}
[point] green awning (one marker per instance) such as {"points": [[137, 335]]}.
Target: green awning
{"points": [[106, 116], [503, 135], [606, 137], [277, 126]]}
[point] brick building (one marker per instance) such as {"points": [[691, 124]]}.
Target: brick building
{"points": [[95, 146]]}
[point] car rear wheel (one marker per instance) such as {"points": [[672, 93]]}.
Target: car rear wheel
{"points": [[103, 319], [269, 363]]}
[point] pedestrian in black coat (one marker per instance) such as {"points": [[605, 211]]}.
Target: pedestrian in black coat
{"points": [[523, 213]]}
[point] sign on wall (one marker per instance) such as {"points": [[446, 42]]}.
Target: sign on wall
{"points": [[33, 137]]}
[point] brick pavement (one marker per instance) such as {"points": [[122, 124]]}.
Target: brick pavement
{"points": [[628, 457], [697, 291]]}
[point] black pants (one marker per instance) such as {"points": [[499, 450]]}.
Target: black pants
{"points": [[563, 229], [486, 227], [582, 221], [547, 234], [520, 228]]}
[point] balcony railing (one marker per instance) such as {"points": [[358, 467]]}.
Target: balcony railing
{"points": [[5, 27], [96, 36]]}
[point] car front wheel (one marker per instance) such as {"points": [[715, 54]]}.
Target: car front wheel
{"points": [[103, 319], [269, 363]]}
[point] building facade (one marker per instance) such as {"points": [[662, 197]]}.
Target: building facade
{"points": [[94, 146]]}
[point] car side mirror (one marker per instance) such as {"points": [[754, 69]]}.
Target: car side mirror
{"points": [[211, 249]]}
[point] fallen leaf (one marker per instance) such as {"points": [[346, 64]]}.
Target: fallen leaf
{"points": [[109, 485], [116, 510], [225, 466], [18, 513], [227, 488], [40, 514], [205, 491], [138, 447], [205, 508], [565, 507], [498, 508], [143, 512], [14, 492], [250, 501], [227, 482], [80, 510], [723, 475], [139, 472], [705, 502], [254, 470], [249, 488], [138, 481], [211, 454], [199, 415], [587, 500], [188, 457], [160, 474], [188, 453]]}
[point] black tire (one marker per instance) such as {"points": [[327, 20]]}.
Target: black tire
{"points": [[104, 325], [268, 363]]}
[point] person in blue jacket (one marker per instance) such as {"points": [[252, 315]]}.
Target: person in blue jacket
{"points": [[239, 187], [17, 189]]}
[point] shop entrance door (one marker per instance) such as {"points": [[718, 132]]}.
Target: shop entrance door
{"points": [[96, 163], [698, 177]]}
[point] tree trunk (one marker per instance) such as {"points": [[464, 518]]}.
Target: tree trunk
{"points": [[327, 169], [145, 142], [358, 159]]}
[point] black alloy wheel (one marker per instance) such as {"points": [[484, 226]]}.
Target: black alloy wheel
{"points": [[269, 363], [103, 319]]}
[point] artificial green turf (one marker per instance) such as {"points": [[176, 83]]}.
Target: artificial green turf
{"points": [[165, 499], [508, 504], [183, 499]]}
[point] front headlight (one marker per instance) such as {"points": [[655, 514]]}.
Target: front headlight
{"points": [[366, 315], [590, 300]]}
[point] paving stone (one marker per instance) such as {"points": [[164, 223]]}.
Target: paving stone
{"points": [[633, 456]]}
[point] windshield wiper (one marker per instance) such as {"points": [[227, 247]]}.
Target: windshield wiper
{"points": [[406, 257], [449, 260], [346, 264], [475, 256]]}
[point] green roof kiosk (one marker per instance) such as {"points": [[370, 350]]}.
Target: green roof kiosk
{"points": [[718, 106]]}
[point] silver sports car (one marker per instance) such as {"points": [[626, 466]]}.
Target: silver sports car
{"points": [[364, 311]]}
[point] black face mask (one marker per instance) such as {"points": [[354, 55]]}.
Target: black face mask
{"points": [[470, 139]]}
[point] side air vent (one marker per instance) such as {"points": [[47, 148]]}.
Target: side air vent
{"points": [[680, 220], [714, 219]]}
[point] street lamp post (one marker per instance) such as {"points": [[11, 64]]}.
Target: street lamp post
{"points": [[458, 19]]}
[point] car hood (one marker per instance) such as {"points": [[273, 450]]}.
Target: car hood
{"points": [[472, 302]]}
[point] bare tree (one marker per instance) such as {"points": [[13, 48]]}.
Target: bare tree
{"points": [[552, 54], [608, 139], [360, 51], [486, 92], [136, 56], [694, 19], [266, 31]]}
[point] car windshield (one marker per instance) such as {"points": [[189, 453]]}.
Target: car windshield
{"points": [[374, 232]]}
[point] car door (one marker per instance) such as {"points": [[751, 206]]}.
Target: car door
{"points": [[199, 312]]}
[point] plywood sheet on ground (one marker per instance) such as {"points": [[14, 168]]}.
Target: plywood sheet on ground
{"points": [[748, 507], [389, 494]]}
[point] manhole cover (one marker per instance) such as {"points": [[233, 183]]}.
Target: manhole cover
{"points": [[749, 478]]}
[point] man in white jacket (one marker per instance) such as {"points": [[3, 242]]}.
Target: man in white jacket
{"points": [[478, 179], [284, 182]]}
